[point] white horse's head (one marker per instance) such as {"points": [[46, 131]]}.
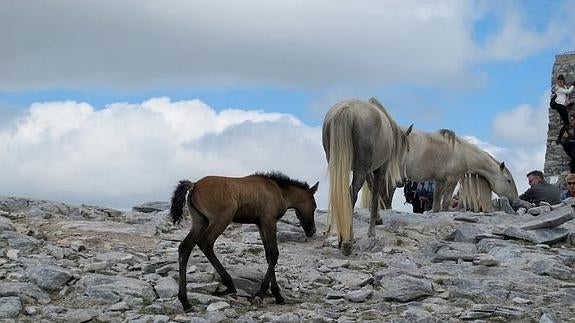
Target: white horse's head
{"points": [[502, 183]]}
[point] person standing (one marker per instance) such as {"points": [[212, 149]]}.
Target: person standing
{"points": [[567, 140], [410, 194], [562, 98]]}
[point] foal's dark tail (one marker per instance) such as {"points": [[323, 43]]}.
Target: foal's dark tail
{"points": [[179, 200]]}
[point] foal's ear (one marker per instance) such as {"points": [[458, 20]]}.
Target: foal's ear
{"points": [[502, 165], [313, 189]]}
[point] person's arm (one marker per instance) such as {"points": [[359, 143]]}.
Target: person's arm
{"points": [[565, 90], [527, 196]]}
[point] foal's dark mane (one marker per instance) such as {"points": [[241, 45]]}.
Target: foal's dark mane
{"points": [[283, 180]]}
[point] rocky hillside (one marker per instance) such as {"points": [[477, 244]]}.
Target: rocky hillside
{"points": [[79, 264]]}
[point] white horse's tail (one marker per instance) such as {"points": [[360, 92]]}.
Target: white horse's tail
{"points": [[365, 196], [339, 165], [475, 193]]}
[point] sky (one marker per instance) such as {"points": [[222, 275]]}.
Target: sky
{"points": [[112, 102]]}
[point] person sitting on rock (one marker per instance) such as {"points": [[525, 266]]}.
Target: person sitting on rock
{"points": [[540, 191], [570, 192]]}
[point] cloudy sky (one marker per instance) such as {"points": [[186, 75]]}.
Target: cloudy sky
{"points": [[112, 102]]}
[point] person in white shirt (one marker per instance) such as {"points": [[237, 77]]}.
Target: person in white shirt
{"points": [[562, 92]]}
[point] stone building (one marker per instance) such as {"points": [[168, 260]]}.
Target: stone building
{"points": [[556, 161]]}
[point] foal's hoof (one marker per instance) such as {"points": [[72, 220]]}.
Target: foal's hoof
{"points": [[378, 221], [188, 309], [280, 300], [346, 248]]}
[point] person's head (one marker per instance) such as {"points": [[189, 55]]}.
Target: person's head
{"points": [[570, 180], [535, 177], [572, 119], [561, 79]]}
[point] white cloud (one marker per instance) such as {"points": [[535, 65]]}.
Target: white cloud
{"points": [[524, 125], [138, 44], [125, 154]]}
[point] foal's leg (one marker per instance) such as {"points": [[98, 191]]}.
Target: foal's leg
{"points": [[269, 238], [199, 224], [213, 231], [376, 187]]}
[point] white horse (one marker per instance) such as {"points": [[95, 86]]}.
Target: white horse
{"points": [[361, 137], [445, 158]]}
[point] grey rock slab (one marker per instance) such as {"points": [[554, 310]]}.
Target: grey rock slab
{"points": [[359, 296], [109, 227], [119, 285], [217, 306], [166, 287], [553, 269], [24, 288], [19, 241], [467, 233], [150, 207], [247, 279], [550, 220], [455, 251], [10, 307], [115, 257], [50, 277], [350, 278], [539, 210], [466, 218], [6, 224], [485, 260], [546, 235], [81, 315], [406, 288]]}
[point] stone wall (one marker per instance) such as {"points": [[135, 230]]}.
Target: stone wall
{"points": [[556, 161]]}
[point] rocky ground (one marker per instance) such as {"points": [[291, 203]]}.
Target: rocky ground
{"points": [[78, 264]]}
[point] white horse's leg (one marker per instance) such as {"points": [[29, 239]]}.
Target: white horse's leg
{"points": [[438, 196], [378, 176], [447, 195]]}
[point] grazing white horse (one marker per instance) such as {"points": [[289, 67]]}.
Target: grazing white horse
{"points": [[445, 158], [362, 137]]}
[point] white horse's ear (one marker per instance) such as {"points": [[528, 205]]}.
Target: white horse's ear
{"points": [[373, 100], [502, 165], [409, 130], [314, 188]]}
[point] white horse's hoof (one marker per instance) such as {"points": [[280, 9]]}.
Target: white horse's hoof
{"points": [[346, 248]]}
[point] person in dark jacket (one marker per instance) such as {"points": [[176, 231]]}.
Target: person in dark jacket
{"points": [[419, 195], [540, 191]]}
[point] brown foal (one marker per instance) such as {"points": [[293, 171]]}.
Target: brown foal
{"points": [[215, 202]]}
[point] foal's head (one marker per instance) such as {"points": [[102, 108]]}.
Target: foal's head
{"points": [[304, 205], [299, 196]]}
